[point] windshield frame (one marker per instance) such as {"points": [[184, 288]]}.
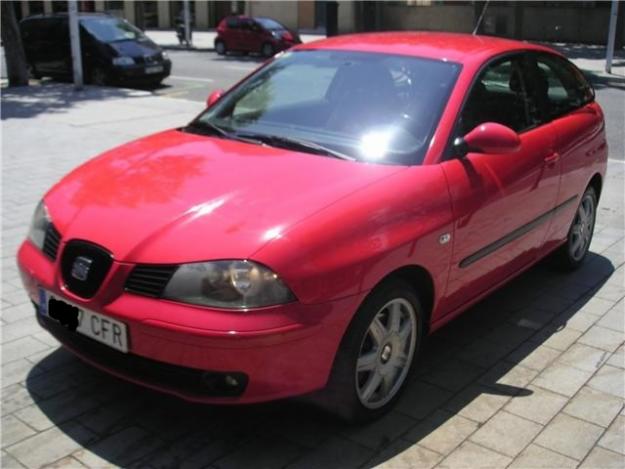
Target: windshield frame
{"points": [[419, 154]]}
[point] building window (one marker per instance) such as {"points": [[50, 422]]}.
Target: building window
{"points": [[35, 8]]}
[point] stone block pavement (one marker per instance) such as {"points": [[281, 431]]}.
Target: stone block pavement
{"points": [[531, 377]]}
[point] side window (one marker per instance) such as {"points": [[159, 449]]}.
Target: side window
{"points": [[558, 87], [232, 23], [498, 95]]}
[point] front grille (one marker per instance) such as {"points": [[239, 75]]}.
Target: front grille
{"points": [[51, 242], [191, 381], [84, 282], [149, 59], [150, 280]]}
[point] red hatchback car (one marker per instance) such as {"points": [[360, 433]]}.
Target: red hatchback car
{"points": [[245, 34], [317, 221]]}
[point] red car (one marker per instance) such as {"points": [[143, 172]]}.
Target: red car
{"points": [[245, 34], [312, 226]]}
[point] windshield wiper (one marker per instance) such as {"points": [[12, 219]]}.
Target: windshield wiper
{"points": [[206, 126], [296, 144]]}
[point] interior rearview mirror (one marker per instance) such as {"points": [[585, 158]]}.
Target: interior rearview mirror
{"points": [[214, 97], [489, 137]]}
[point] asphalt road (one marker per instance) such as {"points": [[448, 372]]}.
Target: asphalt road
{"points": [[196, 73]]}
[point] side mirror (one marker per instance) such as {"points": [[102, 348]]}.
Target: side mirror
{"points": [[489, 138], [214, 97]]}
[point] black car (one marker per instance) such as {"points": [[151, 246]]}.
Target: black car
{"points": [[113, 50]]}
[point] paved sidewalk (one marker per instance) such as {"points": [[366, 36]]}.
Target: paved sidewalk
{"points": [[533, 376]]}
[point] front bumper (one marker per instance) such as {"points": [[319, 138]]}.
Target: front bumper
{"points": [[188, 351]]}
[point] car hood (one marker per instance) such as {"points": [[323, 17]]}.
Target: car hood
{"points": [[134, 48], [178, 197]]}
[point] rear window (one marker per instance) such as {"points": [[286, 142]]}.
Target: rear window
{"points": [[232, 23]]}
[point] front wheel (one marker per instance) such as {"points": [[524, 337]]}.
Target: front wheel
{"points": [[571, 254], [377, 354]]}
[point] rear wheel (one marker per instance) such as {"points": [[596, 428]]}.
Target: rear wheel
{"points": [[99, 77], [572, 254], [220, 47], [33, 73], [377, 354], [267, 50]]}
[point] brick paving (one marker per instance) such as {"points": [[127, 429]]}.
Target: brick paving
{"points": [[531, 377]]}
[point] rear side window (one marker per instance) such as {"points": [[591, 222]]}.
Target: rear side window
{"points": [[498, 95], [556, 86]]}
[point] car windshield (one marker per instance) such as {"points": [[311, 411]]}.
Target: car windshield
{"points": [[366, 106], [270, 24], [111, 29]]}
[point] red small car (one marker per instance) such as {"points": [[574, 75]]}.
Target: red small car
{"points": [[246, 34], [317, 221]]}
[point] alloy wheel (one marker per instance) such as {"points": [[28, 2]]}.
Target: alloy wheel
{"points": [[386, 353], [583, 225]]}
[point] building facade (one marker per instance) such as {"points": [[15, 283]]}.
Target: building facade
{"points": [[556, 21]]}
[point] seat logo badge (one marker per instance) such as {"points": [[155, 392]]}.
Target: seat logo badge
{"points": [[444, 238], [81, 267]]}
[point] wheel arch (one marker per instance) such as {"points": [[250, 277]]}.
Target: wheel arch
{"points": [[421, 281], [596, 182]]}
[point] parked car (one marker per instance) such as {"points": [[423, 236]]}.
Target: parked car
{"points": [[246, 34], [113, 50], [285, 243]]}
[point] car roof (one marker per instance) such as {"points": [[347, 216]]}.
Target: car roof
{"points": [[66, 15], [453, 47]]}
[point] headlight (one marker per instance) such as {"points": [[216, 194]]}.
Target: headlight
{"points": [[233, 284], [39, 225], [164, 55], [123, 61]]}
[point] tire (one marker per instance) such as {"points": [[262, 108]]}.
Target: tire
{"points": [[99, 77], [33, 73], [572, 253], [220, 47], [374, 343], [267, 50]]}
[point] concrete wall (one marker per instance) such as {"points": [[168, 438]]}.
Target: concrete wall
{"points": [[347, 17], [284, 12]]}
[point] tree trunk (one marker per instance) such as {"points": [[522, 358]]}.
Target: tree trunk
{"points": [[17, 70]]}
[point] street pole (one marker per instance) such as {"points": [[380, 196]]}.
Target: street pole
{"points": [[187, 22], [74, 35], [611, 36]]}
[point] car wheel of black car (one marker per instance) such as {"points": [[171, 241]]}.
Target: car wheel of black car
{"points": [[572, 253], [267, 50], [220, 47], [377, 354], [99, 77], [33, 73]]}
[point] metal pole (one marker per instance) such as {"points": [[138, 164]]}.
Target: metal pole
{"points": [[611, 36], [74, 35], [187, 22]]}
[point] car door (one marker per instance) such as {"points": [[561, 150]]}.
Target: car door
{"points": [[59, 54], [247, 35], [502, 203], [233, 33], [569, 105]]}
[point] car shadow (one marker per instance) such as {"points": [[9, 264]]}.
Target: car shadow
{"points": [[472, 358], [50, 96]]}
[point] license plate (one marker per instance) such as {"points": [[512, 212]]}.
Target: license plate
{"points": [[96, 326], [155, 69]]}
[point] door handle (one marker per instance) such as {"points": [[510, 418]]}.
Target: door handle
{"points": [[552, 158]]}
